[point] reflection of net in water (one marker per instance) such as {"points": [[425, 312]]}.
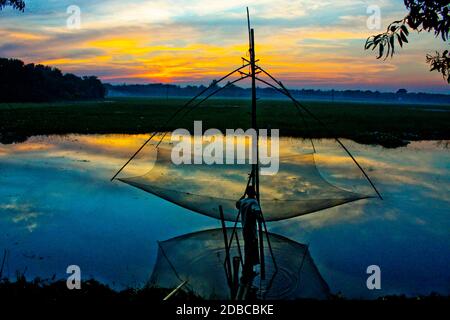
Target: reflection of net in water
{"points": [[297, 189], [198, 258]]}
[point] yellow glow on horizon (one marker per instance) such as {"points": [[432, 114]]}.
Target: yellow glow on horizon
{"points": [[165, 57], [188, 41], [293, 54]]}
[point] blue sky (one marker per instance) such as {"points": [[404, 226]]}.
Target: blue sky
{"points": [[306, 43]]}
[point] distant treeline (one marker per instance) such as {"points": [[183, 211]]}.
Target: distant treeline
{"points": [[21, 82], [169, 90]]}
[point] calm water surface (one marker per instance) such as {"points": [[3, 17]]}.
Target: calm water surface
{"points": [[58, 207]]}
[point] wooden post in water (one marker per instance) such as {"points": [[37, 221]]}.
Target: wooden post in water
{"points": [[255, 144], [227, 251], [236, 264]]}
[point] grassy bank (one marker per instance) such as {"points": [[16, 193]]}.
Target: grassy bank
{"points": [[384, 124], [93, 292]]}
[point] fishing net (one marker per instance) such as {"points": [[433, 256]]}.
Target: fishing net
{"points": [[296, 189], [198, 258]]}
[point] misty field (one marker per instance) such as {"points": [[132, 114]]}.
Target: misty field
{"points": [[385, 124]]}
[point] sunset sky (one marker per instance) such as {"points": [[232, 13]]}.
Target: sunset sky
{"points": [[306, 43]]}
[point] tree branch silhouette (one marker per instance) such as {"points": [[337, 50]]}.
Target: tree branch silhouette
{"points": [[16, 4], [424, 15]]}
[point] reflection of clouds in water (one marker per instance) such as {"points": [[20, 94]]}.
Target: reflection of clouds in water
{"points": [[404, 167], [405, 233], [75, 151], [415, 197], [50, 171], [390, 169], [22, 213], [355, 212]]}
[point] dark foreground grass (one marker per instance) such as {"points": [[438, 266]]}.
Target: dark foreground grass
{"points": [[385, 124], [92, 291], [46, 291]]}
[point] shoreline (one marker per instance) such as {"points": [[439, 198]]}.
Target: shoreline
{"points": [[56, 291], [390, 126], [370, 139]]}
